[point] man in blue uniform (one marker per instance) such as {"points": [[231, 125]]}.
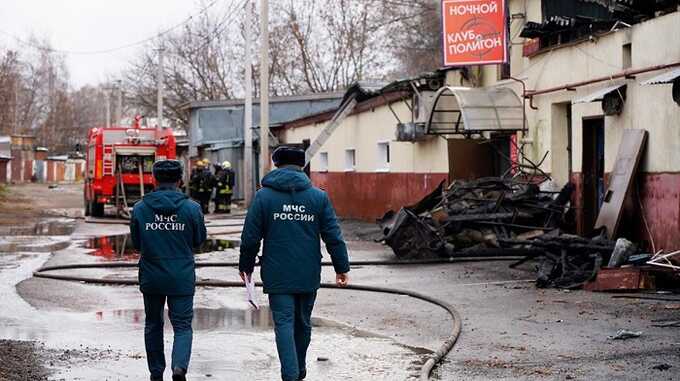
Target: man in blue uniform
{"points": [[291, 216], [165, 227]]}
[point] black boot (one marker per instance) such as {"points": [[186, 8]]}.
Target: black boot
{"points": [[156, 378], [179, 374]]}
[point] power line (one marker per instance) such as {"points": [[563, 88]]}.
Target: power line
{"points": [[220, 26], [111, 50]]}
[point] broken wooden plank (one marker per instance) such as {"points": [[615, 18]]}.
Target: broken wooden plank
{"points": [[626, 166]]}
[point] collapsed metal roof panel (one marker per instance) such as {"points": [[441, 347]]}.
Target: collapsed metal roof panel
{"points": [[663, 79], [364, 90], [599, 94]]}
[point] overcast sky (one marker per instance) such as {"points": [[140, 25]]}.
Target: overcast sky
{"points": [[86, 25]]}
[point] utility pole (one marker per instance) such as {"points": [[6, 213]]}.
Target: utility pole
{"points": [[161, 73], [248, 117], [15, 128], [52, 115], [119, 103], [107, 97], [17, 77], [264, 89]]}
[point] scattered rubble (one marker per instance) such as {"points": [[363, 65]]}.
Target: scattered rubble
{"points": [[504, 217], [471, 215], [662, 367], [19, 361], [624, 334]]}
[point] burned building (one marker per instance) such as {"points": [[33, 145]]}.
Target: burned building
{"points": [[596, 87], [594, 70]]}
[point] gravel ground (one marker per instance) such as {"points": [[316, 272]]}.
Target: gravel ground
{"points": [[20, 361]]}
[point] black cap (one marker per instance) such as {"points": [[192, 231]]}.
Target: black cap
{"points": [[289, 156], [167, 171]]}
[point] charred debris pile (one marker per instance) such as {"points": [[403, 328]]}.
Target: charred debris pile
{"points": [[496, 217]]}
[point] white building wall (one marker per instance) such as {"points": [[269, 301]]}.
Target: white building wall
{"points": [[653, 42], [363, 132]]}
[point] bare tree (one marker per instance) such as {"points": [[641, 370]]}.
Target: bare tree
{"points": [[414, 35], [31, 83], [202, 61], [320, 46], [315, 46]]}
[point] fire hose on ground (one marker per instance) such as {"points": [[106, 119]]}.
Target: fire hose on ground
{"points": [[426, 369]]}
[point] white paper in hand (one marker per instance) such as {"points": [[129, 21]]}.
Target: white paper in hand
{"points": [[250, 291]]}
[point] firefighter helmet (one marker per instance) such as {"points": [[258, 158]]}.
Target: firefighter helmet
{"points": [[226, 164]]}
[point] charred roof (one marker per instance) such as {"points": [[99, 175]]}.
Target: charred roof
{"points": [[565, 21]]}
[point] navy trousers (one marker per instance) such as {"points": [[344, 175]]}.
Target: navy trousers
{"points": [[292, 314], [181, 312]]}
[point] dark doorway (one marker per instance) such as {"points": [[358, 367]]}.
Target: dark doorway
{"points": [[502, 152], [472, 159], [593, 171]]}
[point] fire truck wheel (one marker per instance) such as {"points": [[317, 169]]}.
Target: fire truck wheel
{"points": [[97, 209]]}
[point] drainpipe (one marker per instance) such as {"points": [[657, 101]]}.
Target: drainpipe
{"points": [[569, 146], [525, 128], [524, 103]]}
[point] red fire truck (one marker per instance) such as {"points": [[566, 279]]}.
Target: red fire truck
{"points": [[119, 164]]}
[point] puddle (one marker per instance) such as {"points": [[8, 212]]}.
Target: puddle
{"points": [[205, 319], [120, 247], [61, 227]]}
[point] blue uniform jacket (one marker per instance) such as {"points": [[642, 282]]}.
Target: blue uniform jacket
{"points": [[291, 216], [165, 227]]}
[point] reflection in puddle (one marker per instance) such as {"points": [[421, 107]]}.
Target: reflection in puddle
{"points": [[205, 319], [120, 247], [43, 228]]}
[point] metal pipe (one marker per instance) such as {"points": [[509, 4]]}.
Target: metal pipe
{"points": [[140, 165], [524, 102], [622, 74]]}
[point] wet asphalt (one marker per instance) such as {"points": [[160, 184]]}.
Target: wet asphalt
{"points": [[511, 330], [100, 328]]}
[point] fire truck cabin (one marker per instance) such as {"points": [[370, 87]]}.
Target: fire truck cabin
{"points": [[119, 165]]}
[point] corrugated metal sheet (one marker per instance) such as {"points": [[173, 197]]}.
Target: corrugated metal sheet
{"points": [[219, 124], [662, 79], [599, 94], [5, 147]]}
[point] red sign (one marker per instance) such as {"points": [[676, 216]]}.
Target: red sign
{"points": [[474, 32]]}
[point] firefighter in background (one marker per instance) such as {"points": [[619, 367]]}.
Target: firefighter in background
{"points": [[225, 179], [202, 184], [206, 186], [193, 180]]}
